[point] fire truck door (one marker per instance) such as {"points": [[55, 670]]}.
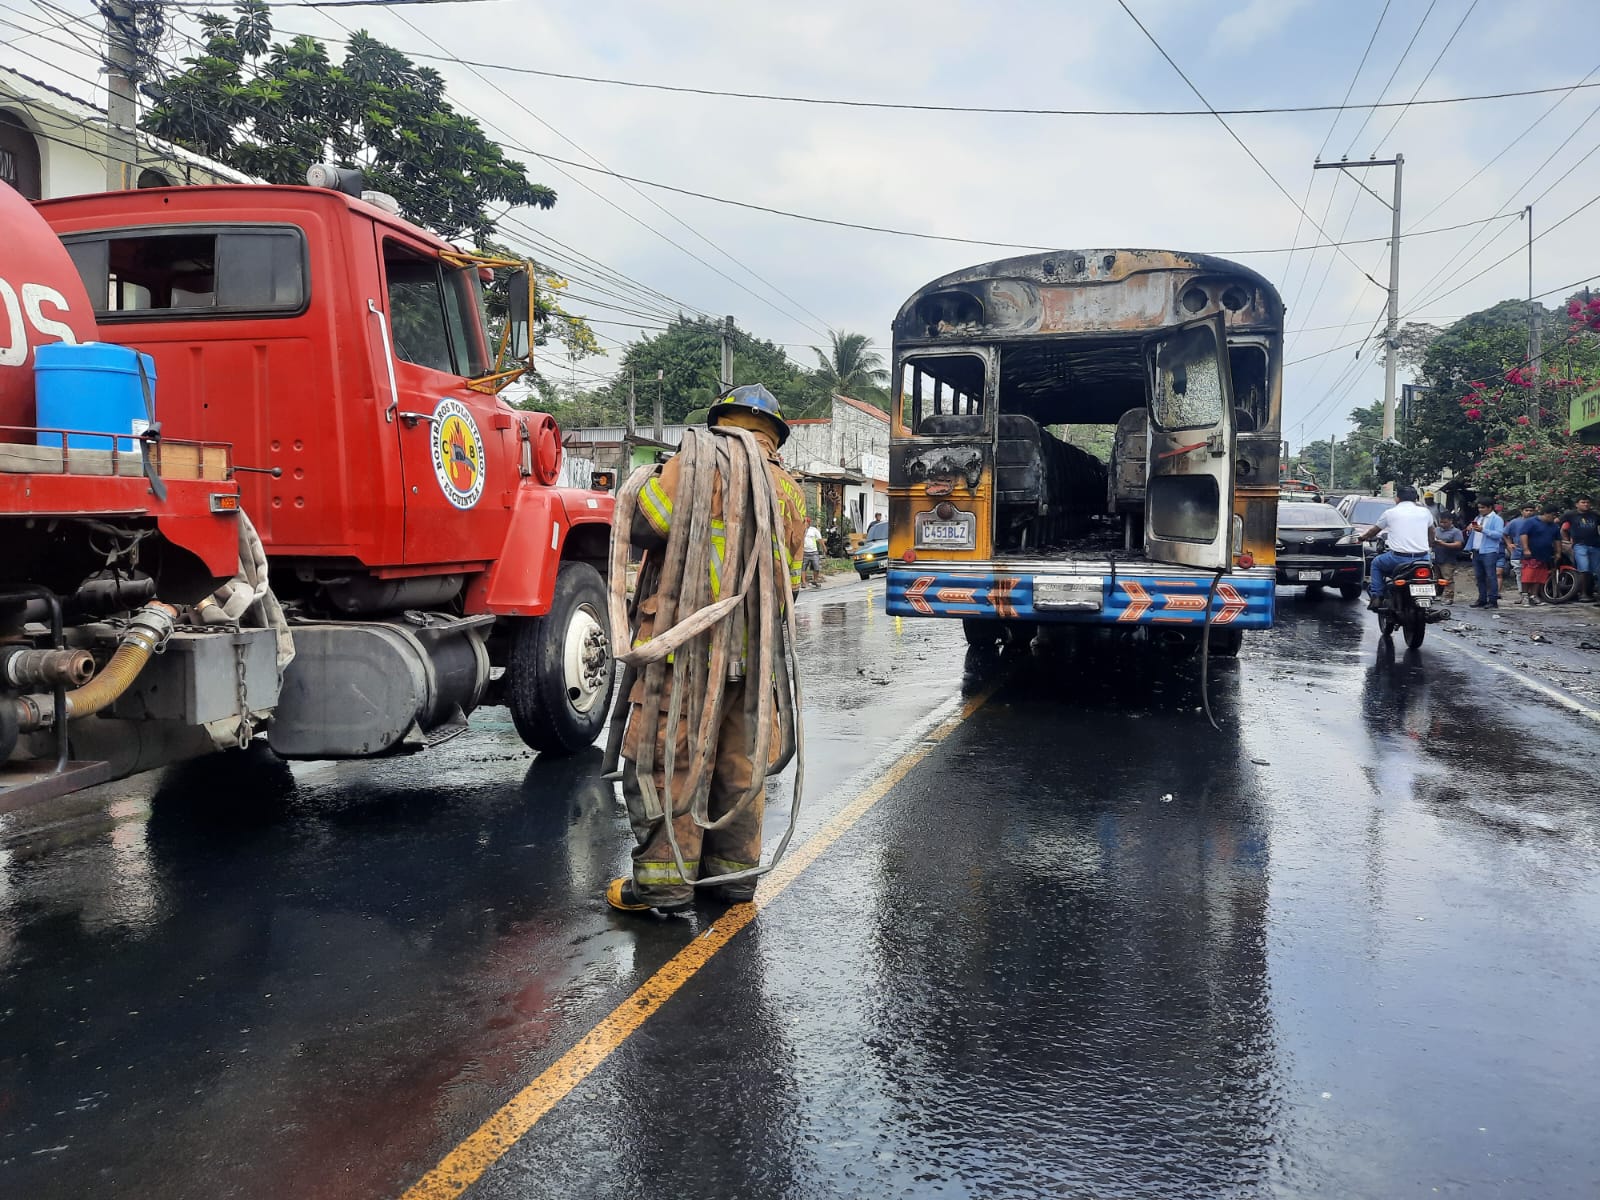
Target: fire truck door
{"points": [[441, 425], [1189, 480]]}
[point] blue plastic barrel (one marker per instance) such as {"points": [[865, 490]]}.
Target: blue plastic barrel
{"points": [[94, 387]]}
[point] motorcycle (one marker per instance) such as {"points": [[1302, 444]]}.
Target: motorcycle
{"points": [[1411, 604]]}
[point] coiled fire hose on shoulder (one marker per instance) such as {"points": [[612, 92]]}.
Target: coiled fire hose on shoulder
{"points": [[747, 633]]}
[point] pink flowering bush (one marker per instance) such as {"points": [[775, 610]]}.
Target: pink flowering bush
{"points": [[1544, 464]]}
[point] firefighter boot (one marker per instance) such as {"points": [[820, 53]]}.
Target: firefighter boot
{"points": [[620, 895]]}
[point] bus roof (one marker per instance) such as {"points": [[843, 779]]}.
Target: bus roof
{"points": [[1086, 291]]}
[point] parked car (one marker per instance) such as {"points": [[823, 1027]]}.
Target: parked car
{"points": [[873, 554], [1317, 548], [1363, 511]]}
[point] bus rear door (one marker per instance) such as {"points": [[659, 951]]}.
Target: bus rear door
{"points": [[1190, 465]]}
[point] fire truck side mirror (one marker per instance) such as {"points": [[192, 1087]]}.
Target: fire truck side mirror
{"points": [[519, 312]]}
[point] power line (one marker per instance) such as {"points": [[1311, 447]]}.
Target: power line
{"points": [[202, 4], [980, 109], [1549, 229], [730, 257], [1510, 200], [1395, 124], [1288, 266], [1512, 144], [1404, 54], [1432, 67], [1123, 4]]}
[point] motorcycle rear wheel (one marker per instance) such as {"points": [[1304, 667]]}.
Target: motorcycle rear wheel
{"points": [[1416, 628]]}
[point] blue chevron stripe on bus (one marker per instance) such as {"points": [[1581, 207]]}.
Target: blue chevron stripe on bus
{"points": [[1141, 596]]}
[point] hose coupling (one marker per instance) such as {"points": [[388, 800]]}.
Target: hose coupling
{"points": [[150, 627], [22, 666], [32, 712]]}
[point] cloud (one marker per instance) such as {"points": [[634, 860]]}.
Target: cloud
{"points": [[1254, 23]]}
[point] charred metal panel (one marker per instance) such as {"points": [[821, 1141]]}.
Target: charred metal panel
{"points": [[1082, 291], [943, 469]]}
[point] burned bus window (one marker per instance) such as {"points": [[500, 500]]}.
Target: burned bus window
{"points": [[942, 395], [1188, 381], [1251, 403]]}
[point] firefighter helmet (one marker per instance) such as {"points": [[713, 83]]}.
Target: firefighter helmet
{"points": [[751, 397]]}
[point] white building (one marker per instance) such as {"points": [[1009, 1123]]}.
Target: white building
{"points": [[850, 446], [54, 144]]}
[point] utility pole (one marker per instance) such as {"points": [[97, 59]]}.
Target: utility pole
{"points": [[1391, 336], [122, 106], [632, 419], [727, 355], [1535, 328], [660, 371], [1333, 459]]}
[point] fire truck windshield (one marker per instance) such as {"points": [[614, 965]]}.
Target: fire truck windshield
{"points": [[437, 315]]}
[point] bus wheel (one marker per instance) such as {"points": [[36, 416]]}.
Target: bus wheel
{"points": [[981, 631], [1019, 633], [1225, 643], [559, 676]]}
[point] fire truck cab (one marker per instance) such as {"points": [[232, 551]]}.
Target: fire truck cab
{"points": [[332, 366]]}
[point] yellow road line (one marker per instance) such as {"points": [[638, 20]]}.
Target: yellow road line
{"points": [[463, 1166]]}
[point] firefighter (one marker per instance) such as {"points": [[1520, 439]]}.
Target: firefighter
{"points": [[657, 882]]}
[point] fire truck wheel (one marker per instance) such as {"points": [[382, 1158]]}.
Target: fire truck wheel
{"points": [[560, 674]]}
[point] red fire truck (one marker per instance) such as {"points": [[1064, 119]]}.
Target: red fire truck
{"points": [[326, 528]]}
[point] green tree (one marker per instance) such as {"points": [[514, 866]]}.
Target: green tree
{"points": [[272, 109], [1518, 418], [851, 366], [1481, 346], [688, 357]]}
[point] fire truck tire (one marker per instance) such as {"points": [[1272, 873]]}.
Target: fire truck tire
{"points": [[559, 677]]}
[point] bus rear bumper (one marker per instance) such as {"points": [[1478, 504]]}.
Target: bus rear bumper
{"points": [[1081, 593]]}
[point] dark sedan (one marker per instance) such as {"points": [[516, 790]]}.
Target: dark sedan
{"points": [[1317, 548]]}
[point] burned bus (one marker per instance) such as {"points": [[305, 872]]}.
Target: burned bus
{"points": [[1088, 438]]}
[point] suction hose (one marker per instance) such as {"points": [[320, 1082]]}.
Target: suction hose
{"points": [[147, 632], [745, 634]]}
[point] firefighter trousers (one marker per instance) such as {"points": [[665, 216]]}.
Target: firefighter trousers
{"points": [[706, 852]]}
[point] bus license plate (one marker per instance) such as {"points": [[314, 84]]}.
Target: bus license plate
{"points": [[1309, 576], [959, 532], [1421, 590]]}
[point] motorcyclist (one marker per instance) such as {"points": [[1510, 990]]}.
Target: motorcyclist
{"points": [[1408, 527]]}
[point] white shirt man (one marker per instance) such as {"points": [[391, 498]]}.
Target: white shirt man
{"points": [[1409, 528], [813, 540], [1407, 525]]}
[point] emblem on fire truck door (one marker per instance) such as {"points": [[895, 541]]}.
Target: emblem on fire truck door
{"points": [[457, 454]]}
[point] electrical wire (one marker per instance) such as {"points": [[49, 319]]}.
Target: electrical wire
{"points": [[1388, 83], [1288, 266], [709, 242], [1243, 145], [978, 109]]}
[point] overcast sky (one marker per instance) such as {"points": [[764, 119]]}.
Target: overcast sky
{"points": [[1070, 182]]}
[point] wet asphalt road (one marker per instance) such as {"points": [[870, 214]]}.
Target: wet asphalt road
{"points": [[1086, 946]]}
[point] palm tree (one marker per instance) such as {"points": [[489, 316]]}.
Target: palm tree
{"points": [[852, 367]]}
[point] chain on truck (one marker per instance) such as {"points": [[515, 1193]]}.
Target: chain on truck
{"points": [[257, 481], [1170, 365]]}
